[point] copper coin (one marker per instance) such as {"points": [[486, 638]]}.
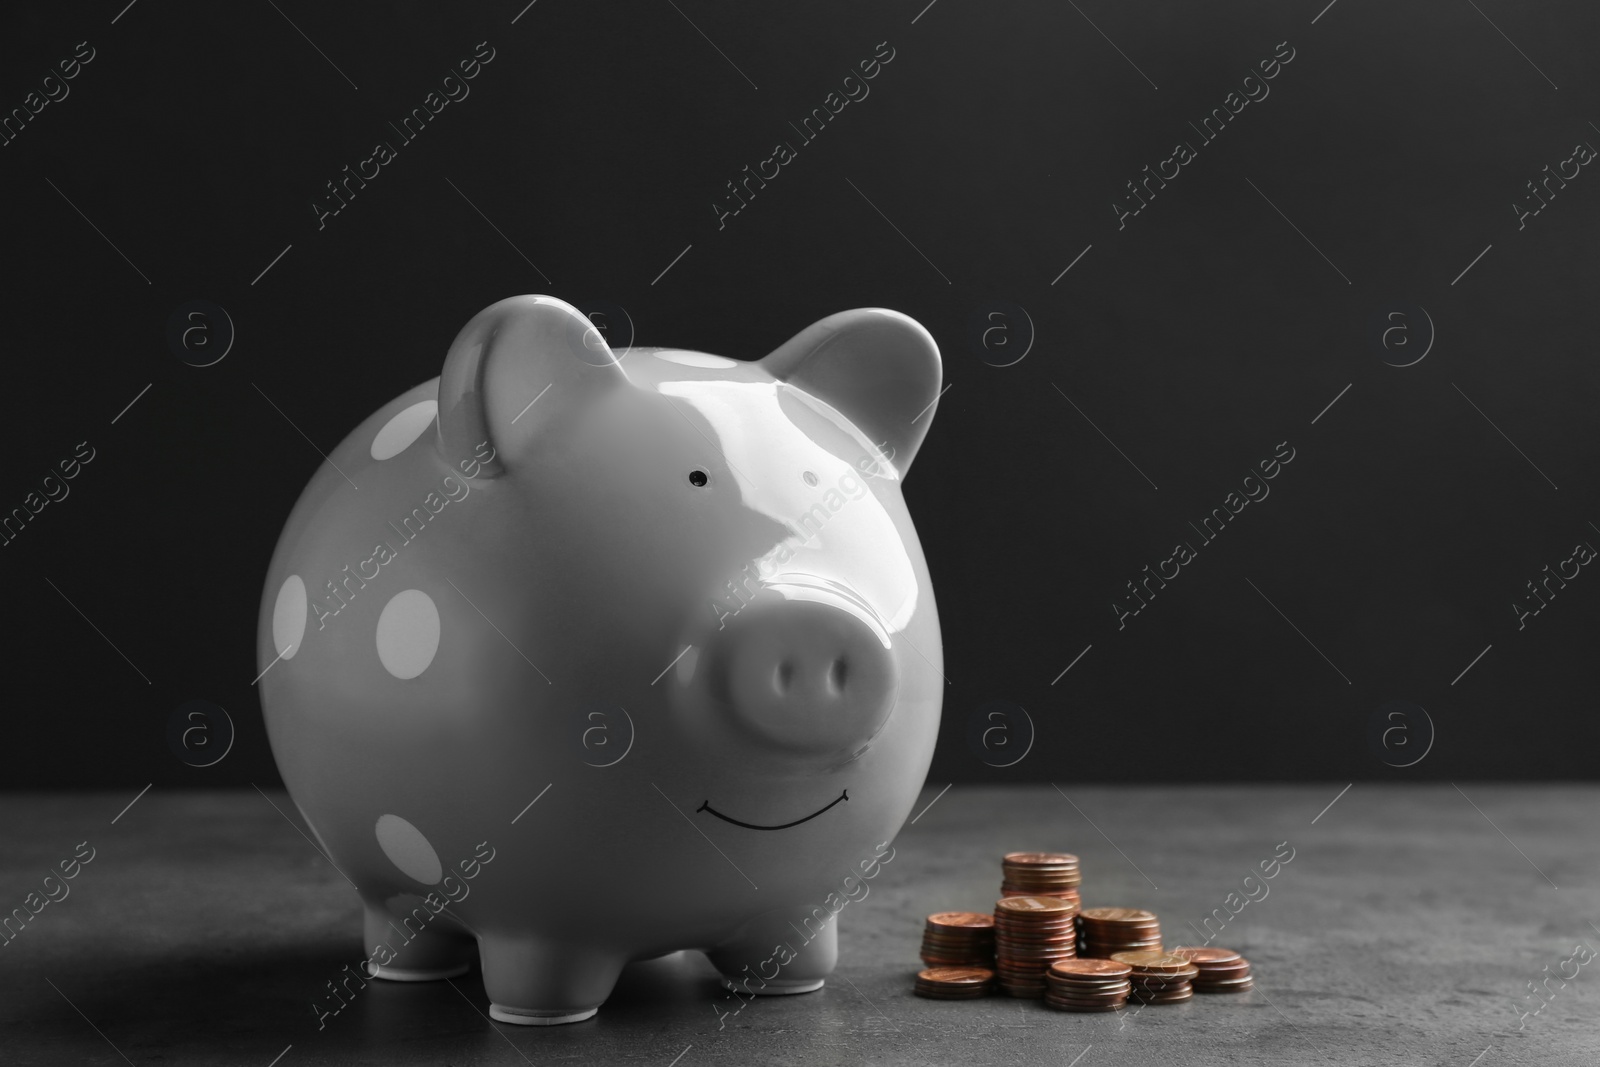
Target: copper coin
{"points": [[952, 959], [1158, 982], [1154, 961], [1026, 948], [960, 933], [963, 976], [1243, 985], [1021, 878], [934, 992], [1120, 915], [1039, 859], [1064, 989], [1105, 951], [1097, 968], [1182, 991], [1082, 1002], [957, 944], [1203, 956], [1086, 981], [1238, 979], [1045, 937], [1030, 906], [1015, 876], [961, 920], [1070, 989]]}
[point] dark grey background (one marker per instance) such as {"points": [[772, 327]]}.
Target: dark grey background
{"points": [[1196, 339]]}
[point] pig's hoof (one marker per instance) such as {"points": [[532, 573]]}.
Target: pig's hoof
{"points": [[777, 987], [520, 1017], [420, 974]]}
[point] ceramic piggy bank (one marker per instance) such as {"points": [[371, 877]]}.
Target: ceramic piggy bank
{"points": [[577, 657]]}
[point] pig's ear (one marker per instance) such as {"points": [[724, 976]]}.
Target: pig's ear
{"points": [[878, 367], [504, 360]]}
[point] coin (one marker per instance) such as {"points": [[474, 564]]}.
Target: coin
{"points": [[963, 976], [952, 983], [1068, 1006], [1136, 916], [1034, 906], [1154, 961], [1202, 957], [1232, 985], [1092, 968], [1040, 860], [1118, 997], [956, 938]]}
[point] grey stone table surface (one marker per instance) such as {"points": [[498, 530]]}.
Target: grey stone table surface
{"points": [[1405, 929]]}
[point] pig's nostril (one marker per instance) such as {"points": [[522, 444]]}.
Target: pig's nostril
{"points": [[802, 675]]}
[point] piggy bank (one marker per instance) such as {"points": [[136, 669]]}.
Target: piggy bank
{"points": [[575, 657]]}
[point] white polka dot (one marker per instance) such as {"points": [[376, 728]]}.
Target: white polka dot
{"points": [[408, 850], [399, 432], [408, 633], [289, 617], [697, 359]]}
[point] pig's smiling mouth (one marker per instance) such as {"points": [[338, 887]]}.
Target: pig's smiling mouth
{"points": [[706, 806]]}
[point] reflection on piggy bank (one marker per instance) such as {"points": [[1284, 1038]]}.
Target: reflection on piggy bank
{"points": [[676, 599]]}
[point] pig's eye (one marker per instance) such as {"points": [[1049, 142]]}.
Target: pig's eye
{"points": [[811, 479], [698, 478]]}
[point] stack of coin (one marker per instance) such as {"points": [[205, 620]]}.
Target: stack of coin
{"points": [[1158, 977], [1222, 970], [954, 983], [1110, 930], [958, 939], [1041, 874], [1031, 933], [1087, 985]]}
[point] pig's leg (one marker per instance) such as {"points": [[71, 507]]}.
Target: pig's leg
{"points": [[416, 952], [537, 982], [784, 951]]}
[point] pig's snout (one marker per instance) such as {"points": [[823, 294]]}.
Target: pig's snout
{"points": [[813, 675]]}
